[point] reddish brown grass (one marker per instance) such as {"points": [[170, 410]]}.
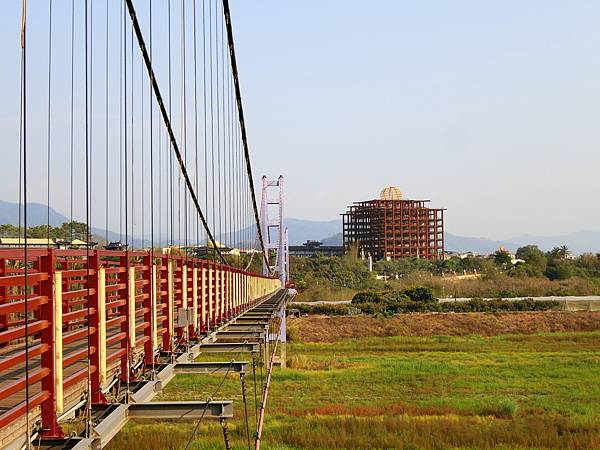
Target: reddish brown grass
{"points": [[335, 409], [431, 432], [331, 329]]}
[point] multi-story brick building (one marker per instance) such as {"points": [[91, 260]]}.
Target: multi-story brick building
{"points": [[391, 227]]}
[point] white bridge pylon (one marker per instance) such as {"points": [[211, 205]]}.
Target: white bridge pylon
{"points": [[275, 235]]}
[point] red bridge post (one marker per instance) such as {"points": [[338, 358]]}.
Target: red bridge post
{"points": [[50, 426], [94, 324], [124, 314], [149, 305]]}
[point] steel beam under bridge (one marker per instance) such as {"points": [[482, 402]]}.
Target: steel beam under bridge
{"points": [[229, 347], [240, 335], [211, 367]]}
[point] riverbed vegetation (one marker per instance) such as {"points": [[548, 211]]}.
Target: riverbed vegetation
{"points": [[419, 300], [529, 273], [508, 391]]}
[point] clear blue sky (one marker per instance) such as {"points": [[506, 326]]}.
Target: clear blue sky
{"points": [[489, 109]]}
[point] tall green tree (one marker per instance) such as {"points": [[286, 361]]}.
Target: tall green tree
{"points": [[536, 260], [560, 253], [502, 258]]}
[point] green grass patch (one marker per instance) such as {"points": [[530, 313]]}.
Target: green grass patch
{"points": [[510, 391]]}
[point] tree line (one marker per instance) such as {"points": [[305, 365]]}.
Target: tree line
{"points": [[67, 231], [528, 261]]}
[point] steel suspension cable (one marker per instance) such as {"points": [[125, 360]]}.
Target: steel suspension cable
{"points": [[196, 114], [167, 121], [20, 181], [204, 121], [238, 95], [181, 121], [212, 122], [229, 184], [160, 190], [122, 128], [255, 389], [72, 128], [183, 124], [209, 399], [230, 140], [232, 157], [90, 76], [88, 425], [142, 193], [25, 253], [265, 395], [48, 136], [217, 56], [219, 111], [246, 421], [132, 145], [152, 280], [126, 159], [125, 132], [106, 136], [237, 191], [171, 206]]}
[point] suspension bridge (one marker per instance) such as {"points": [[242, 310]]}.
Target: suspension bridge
{"points": [[130, 117]]}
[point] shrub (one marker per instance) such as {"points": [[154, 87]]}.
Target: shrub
{"points": [[503, 409], [498, 305], [324, 309], [507, 294], [420, 294], [421, 299], [293, 334], [563, 270], [367, 297]]}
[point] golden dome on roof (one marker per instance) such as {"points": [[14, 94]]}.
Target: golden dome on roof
{"points": [[391, 193]]}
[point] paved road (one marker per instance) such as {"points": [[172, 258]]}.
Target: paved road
{"points": [[323, 302], [568, 299]]}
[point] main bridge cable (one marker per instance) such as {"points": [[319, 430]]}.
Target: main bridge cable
{"points": [[23, 155], [88, 207], [238, 96], [159, 99]]}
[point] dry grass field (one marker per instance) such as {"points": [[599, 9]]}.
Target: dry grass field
{"points": [[502, 381], [330, 329]]}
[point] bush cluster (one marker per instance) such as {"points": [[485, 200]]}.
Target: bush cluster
{"points": [[498, 305], [421, 299], [323, 309], [414, 299]]}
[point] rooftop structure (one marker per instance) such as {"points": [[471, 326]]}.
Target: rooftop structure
{"points": [[19, 242], [391, 227], [311, 248]]}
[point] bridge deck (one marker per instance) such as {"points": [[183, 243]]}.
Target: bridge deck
{"points": [[135, 307]]}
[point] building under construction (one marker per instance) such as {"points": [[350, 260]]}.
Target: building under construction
{"points": [[391, 227]]}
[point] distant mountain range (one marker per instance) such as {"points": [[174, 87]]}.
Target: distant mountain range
{"points": [[37, 214], [301, 230], [329, 233], [578, 242]]}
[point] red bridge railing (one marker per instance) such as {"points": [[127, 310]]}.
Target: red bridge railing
{"points": [[106, 316]]}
